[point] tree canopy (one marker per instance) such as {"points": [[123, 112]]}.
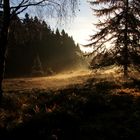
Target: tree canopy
{"points": [[11, 8], [35, 49], [119, 26]]}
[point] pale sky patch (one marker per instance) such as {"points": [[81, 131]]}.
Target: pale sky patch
{"points": [[80, 27]]}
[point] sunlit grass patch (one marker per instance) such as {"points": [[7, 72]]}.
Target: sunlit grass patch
{"points": [[98, 108], [129, 91]]}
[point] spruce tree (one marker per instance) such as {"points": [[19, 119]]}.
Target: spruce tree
{"points": [[10, 9], [119, 26], [37, 69]]}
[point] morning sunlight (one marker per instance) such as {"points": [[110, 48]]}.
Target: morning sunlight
{"points": [[69, 69]]}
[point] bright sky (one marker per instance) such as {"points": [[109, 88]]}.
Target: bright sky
{"points": [[81, 26]]}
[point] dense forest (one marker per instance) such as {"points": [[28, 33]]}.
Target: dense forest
{"points": [[34, 49]]}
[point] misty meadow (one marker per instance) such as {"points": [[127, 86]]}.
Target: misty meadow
{"points": [[50, 89]]}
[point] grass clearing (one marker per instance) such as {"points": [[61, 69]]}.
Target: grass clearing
{"points": [[101, 108]]}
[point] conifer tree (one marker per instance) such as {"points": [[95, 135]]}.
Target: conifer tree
{"points": [[119, 26], [37, 68], [11, 8]]}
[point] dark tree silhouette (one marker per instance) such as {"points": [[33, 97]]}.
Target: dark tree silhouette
{"points": [[12, 8], [37, 68], [119, 25], [33, 38]]}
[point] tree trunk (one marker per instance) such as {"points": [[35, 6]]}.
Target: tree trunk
{"points": [[2, 67], [125, 67], [4, 40], [125, 50]]}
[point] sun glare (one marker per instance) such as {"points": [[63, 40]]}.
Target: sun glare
{"points": [[86, 49], [82, 36]]}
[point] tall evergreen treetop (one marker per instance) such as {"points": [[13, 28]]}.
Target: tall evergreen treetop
{"points": [[119, 26]]}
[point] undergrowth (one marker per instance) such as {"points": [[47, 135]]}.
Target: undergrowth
{"points": [[100, 109]]}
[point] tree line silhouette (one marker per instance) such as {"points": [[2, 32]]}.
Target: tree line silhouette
{"points": [[10, 9], [35, 49]]}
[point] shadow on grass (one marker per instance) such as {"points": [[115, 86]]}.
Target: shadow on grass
{"points": [[133, 83], [92, 111]]}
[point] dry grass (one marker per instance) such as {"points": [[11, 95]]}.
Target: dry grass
{"points": [[101, 105]]}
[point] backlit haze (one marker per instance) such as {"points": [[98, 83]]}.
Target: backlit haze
{"points": [[81, 27]]}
